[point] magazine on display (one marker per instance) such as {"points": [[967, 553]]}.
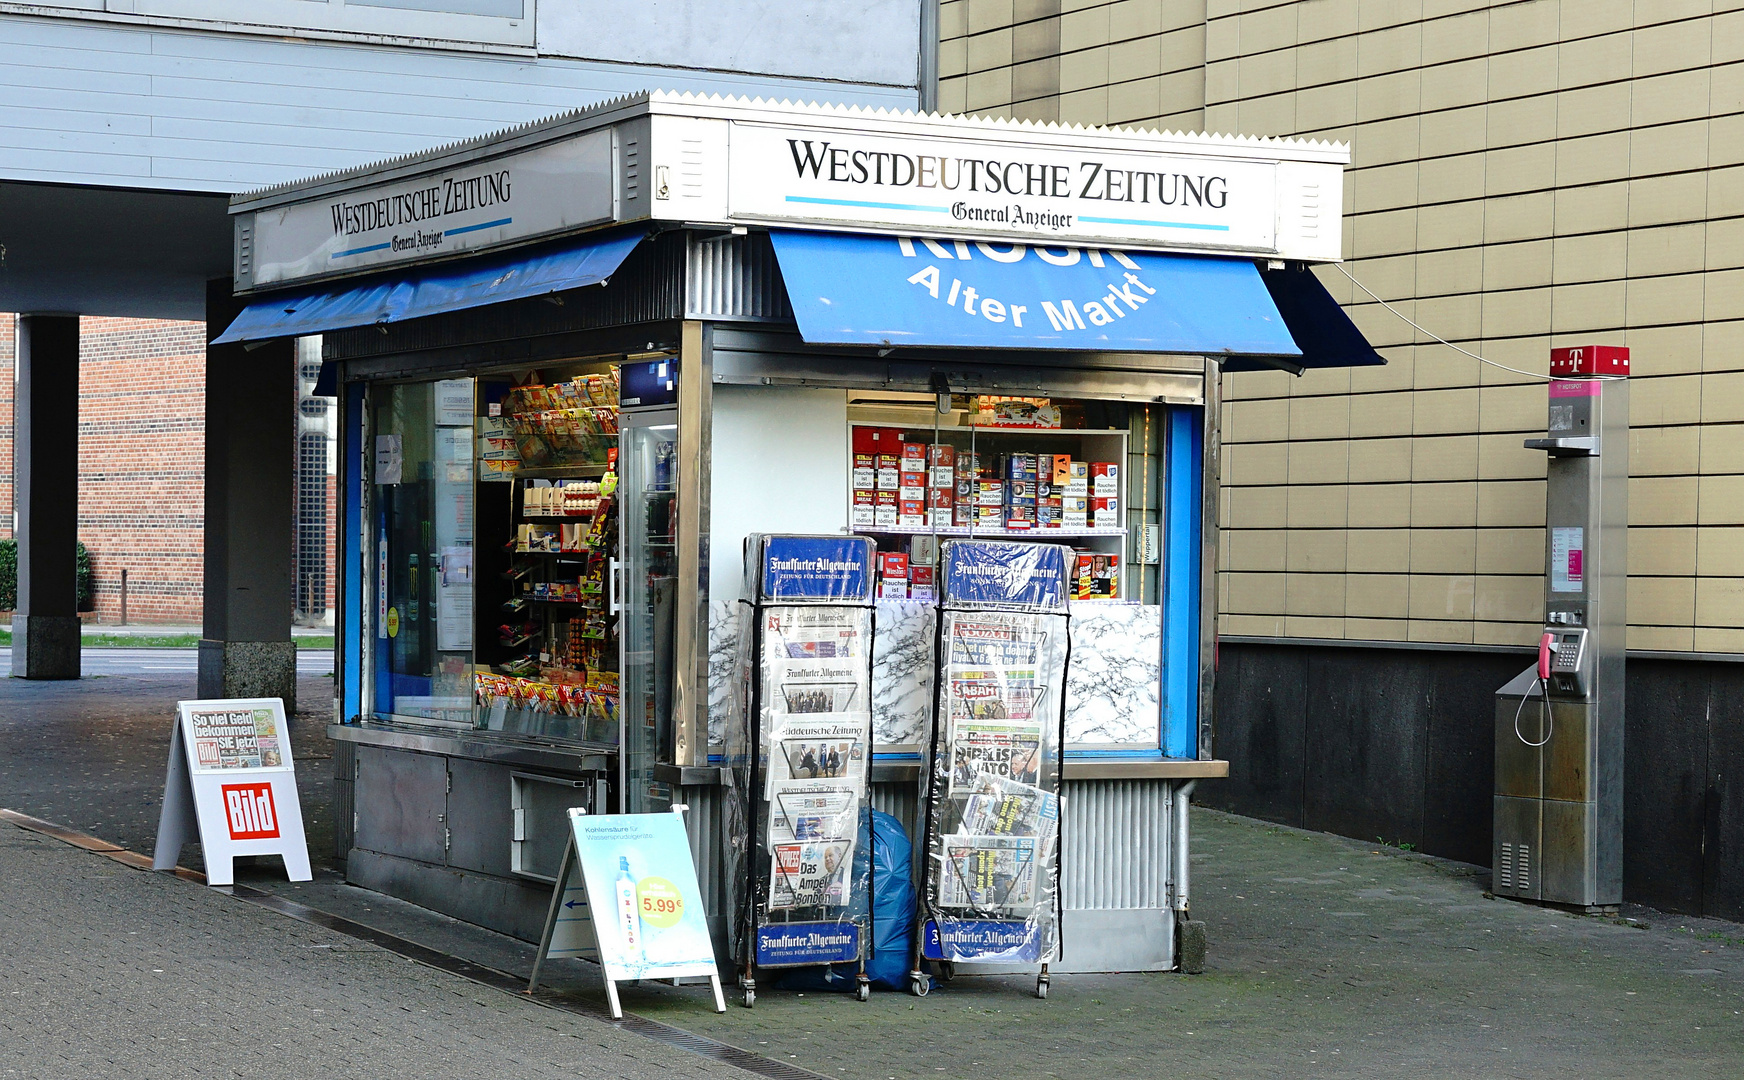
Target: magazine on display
{"points": [[996, 639], [809, 875], [1004, 749], [235, 738], [813, 810], [813, 633], [990, 874], [1000, 806], [830, 747]]}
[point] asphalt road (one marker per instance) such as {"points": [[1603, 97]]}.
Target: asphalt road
{"points": [[169, 661]]}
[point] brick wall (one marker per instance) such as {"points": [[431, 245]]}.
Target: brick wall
{"points": [[141, 462]]}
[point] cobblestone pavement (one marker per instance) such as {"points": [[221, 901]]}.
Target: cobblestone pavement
{"points": [[1328, 957], [90, 754], [114, 972]]}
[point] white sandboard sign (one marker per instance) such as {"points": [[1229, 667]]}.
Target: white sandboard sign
{"points": [[627, 896], [232, 785]]}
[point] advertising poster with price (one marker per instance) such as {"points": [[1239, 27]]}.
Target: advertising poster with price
{"points": [[231, 784], [644, 903]]}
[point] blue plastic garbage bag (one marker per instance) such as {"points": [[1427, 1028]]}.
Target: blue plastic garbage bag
{"points": [[892, 914]]}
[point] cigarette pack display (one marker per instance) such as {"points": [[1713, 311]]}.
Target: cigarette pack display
{"points": [[889, 472], [990, 517], [1105, 513], [885, 514], [911, 485], [1105, 478], [1020, 467], [893, 589], [922, 592], [914, 457], [865, 471], [1074, 512], [941, 517], [1098, 577], [965, 512], [1048, 513], [921, 575], [1020, 517], [941, 476], [893, 564], [911, 513], [989, 493], [865, 509], [1020, 493], [941, 456], [968, 464], [940, 499]]}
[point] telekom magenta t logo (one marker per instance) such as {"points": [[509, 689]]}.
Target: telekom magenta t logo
{"points": [[249, 810]]}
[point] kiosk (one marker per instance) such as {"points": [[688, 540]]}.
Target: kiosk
{"points": [[580, 361]]}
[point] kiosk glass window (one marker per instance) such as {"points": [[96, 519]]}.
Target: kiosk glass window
{"points": [[423, 575]]}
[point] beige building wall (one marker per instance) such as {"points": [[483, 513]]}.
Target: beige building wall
{"points": [[1524, 175]]}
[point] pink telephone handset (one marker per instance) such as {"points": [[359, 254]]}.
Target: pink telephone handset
{"points": [[1546, 646]]}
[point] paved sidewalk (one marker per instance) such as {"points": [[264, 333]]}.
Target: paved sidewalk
{"points": [[113, 972], [90, 754], [1328, 957]]}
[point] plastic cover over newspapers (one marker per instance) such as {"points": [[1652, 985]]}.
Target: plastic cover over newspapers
{"points": [[799, 748], [991, 793]]}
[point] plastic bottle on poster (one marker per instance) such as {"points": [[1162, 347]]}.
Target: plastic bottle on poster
{"points": [[628, 920]]}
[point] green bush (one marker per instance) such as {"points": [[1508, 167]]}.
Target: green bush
{"points": [[9, 577], [87, 587]]}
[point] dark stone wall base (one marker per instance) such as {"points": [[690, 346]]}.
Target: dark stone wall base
{"points": [[1398, 746]]}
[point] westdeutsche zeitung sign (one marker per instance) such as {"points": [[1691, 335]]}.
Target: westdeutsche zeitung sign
{"points": [[973, 188], [549, 189]]}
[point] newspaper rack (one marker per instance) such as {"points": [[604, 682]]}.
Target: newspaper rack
{"points": [[799, 757], [990, 772]]}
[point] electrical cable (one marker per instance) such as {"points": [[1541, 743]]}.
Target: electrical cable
{"points": [[1443, 341], [1546, 719]]}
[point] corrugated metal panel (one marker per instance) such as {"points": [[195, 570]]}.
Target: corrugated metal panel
{"points": [[734, 277], [902, 802], [704, 820], [1114, 841]]}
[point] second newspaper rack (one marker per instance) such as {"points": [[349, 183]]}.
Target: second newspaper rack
{"points": [[990, 778]]}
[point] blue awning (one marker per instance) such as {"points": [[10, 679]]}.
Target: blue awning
{"points": [[880, 290], [849, 289], [1322, 330], [432, 290]]}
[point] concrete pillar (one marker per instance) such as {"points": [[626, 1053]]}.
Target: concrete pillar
{"points": [[45, 477], [245, 645]]}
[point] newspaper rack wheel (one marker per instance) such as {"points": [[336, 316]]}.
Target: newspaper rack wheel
{"points": [[1042, 986], [947, 970], [863, 992], [750, 998], [918, 985]]}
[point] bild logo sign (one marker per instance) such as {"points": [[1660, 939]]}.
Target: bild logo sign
{"points": [[248, 809]]}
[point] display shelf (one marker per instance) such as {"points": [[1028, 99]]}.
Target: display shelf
{"points": [[992, 534], [984, 430], [562, 472]]}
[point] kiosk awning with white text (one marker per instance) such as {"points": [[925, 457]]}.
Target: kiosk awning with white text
{"points": [[891, 291]]}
